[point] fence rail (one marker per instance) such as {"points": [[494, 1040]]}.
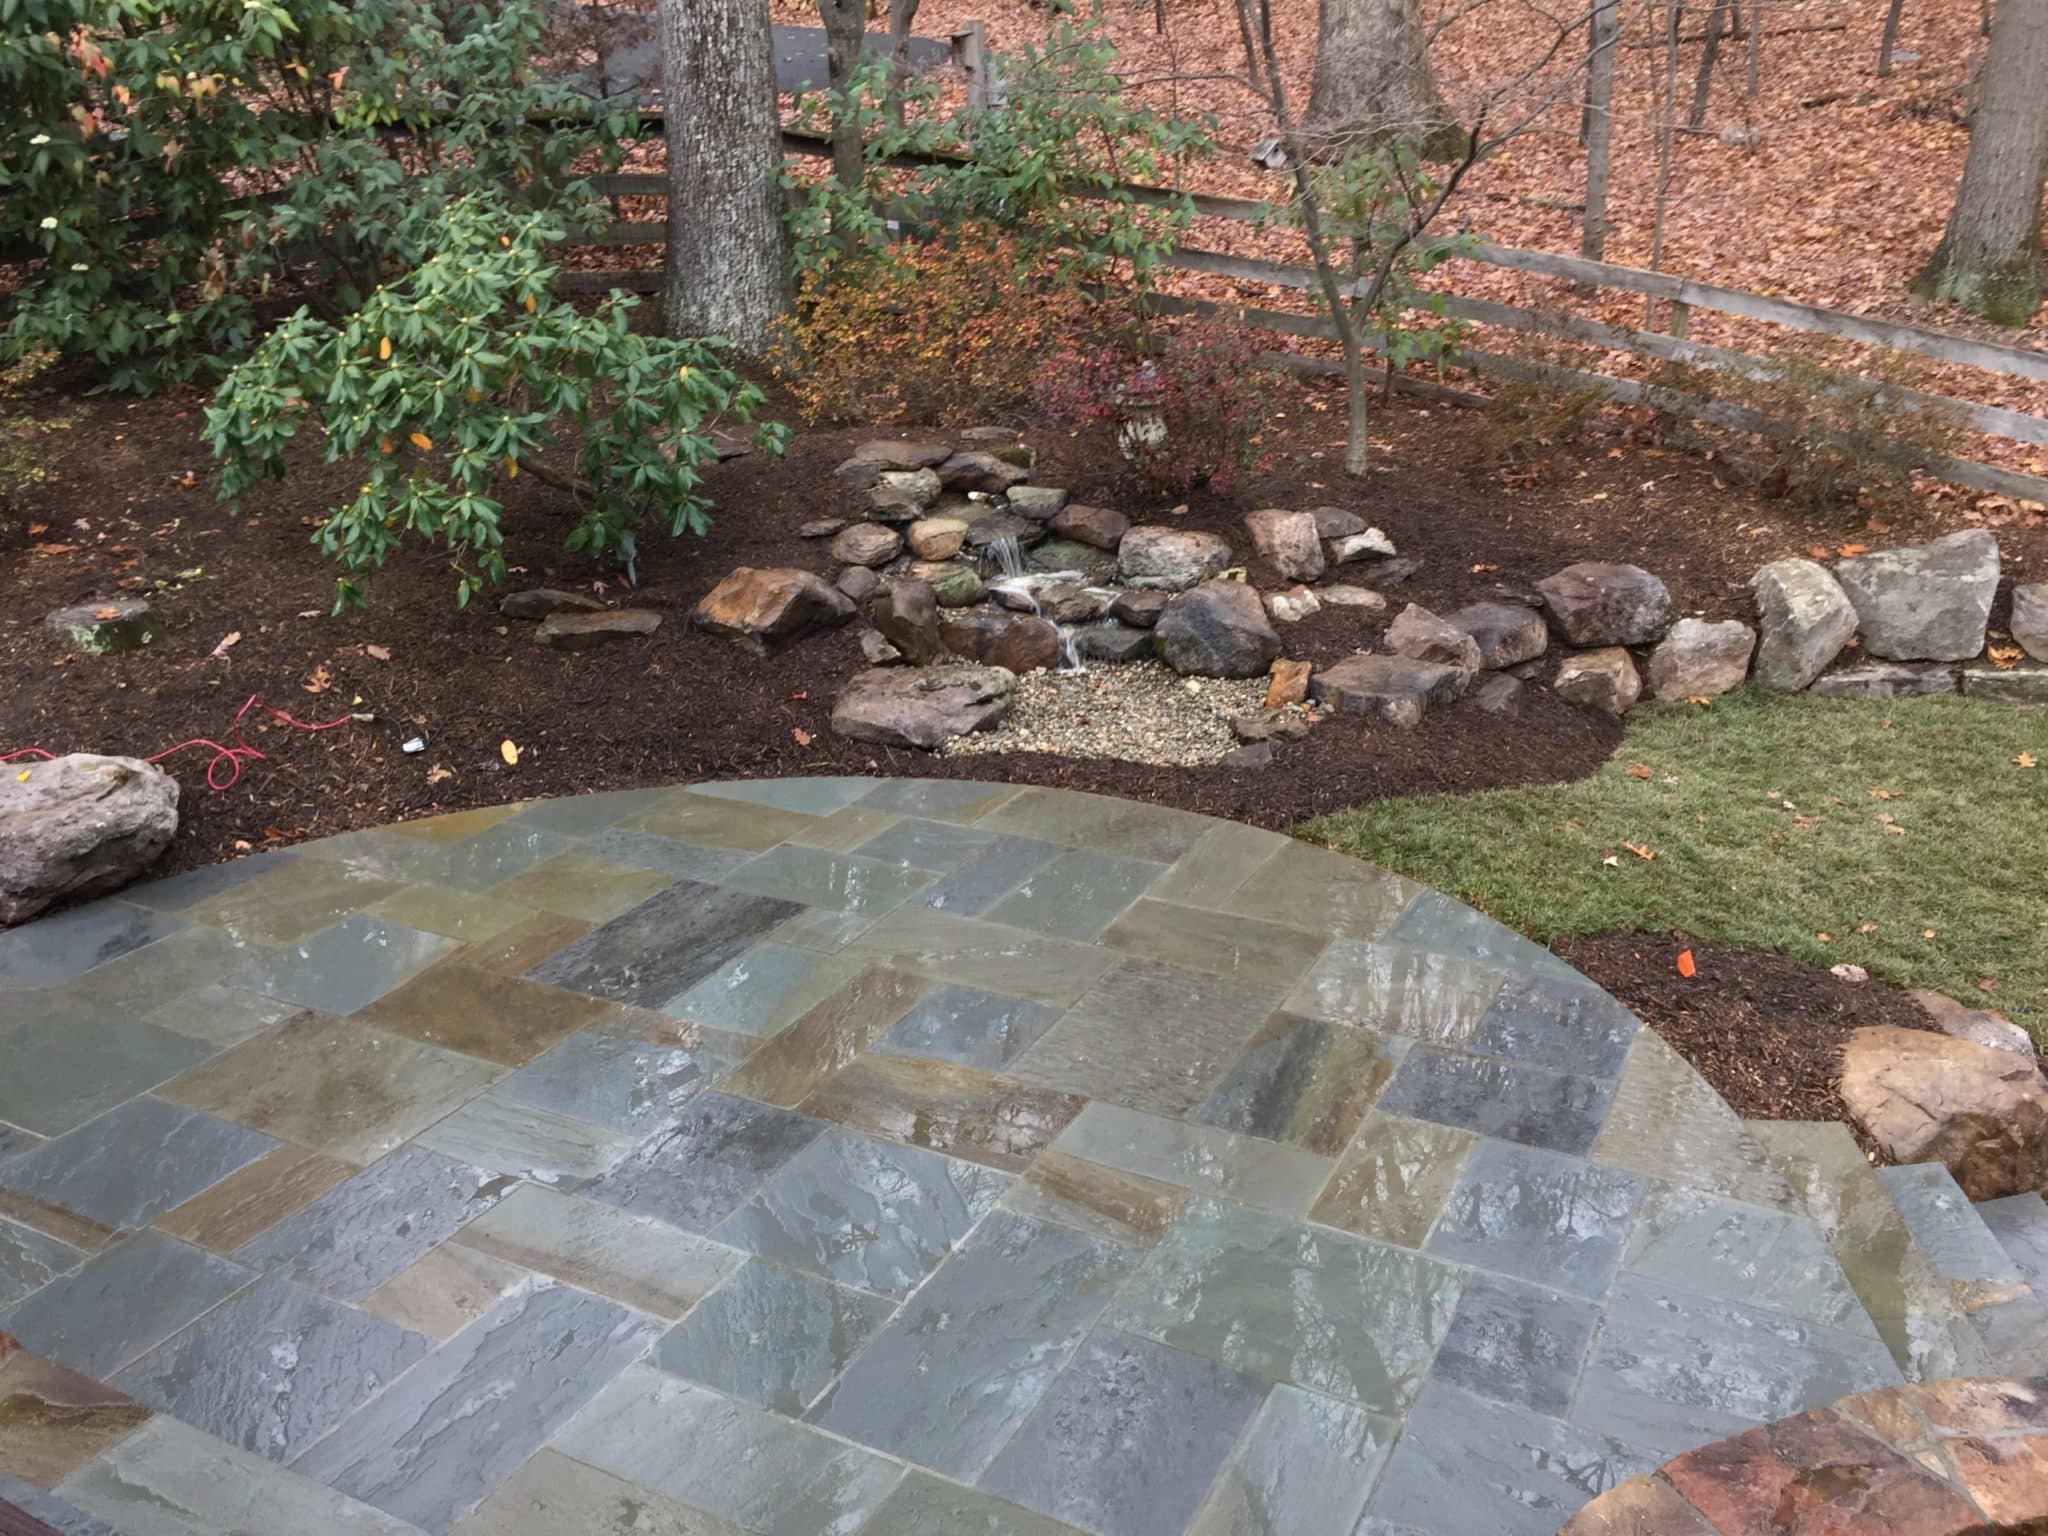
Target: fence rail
{"points": [[1684, 293]]}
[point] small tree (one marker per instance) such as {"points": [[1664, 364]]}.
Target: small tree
{"points": [[448, 385]]}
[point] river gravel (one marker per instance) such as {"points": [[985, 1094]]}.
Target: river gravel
{"points": [[1140, 712]]}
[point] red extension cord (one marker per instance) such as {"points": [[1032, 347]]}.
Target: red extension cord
{"points": [[233, 756]]}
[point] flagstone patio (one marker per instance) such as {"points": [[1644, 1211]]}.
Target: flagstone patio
{"points": [[864, 1156]]}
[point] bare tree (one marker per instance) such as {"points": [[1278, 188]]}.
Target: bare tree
{"points": [[1989, 259], [1598, 126], [1372, 76], [728, 263], [846, 25], [902, 16]]}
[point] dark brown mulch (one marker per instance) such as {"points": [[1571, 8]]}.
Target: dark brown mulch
{"points": [[1765, 1030]]}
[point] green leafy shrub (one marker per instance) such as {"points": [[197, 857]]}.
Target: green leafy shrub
{"points": [[463, 375], [164, 162]]}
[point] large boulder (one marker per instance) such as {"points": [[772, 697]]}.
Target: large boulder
{"points": [[867, 544], [1037, 502], [982, 472], [1336, 523], [1016, 642], [1169, 559], [78, 826], [1421, 636], [1217, 630], [936, 538], [1508, 634], [1927, 603], [1806, 620], [1137, 607], [1698, 659], [1606, 679], [955, 583], [907, 614], [922, 706], [1097, 527], [2030, 619], [1925, 1097], [1595, 604], [1288, 541], [1395, 689], [768, 607]]}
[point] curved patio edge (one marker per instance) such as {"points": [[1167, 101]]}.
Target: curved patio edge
{"points": [[1940, 1458]]}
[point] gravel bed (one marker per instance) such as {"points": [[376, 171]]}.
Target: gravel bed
{"points": [[1139, 712]]}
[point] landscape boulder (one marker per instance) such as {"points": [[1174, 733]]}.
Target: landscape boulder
{"points": [[857, 582], [1597, 604], [1806, 619], [1421, 636], [867, 544], [1930, 602], [1341, 595], [1396, 689], [1336, 523], [1498, 693], [922, 706], [1257, 754], [1508, 634], [1037, 502], [906, 613], [1113, 642], [955, 583], [1884, 680], [79, 825], [1287, 541], [768, 607], [892, 453], [569, 631], [1369, 545], [2030, 619], [1293, 605], [936, 538], [1290, 683], [1016, 642], [1097, 527], [1217, 630], [918, 487], [1169, 559], [1699, 660], [983, 472], [1605, 679], [539, 602], [108, 627], [1138, 608], [1980, 1025], [1926, 1097]]}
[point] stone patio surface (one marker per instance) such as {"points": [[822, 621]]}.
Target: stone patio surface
{"points": [[883, 1156]]}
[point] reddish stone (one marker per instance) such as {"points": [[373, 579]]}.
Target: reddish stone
{"points": [[1816, 1475], [2008, 1477], [765, 608], [1289, 685], [1642, 1506]]}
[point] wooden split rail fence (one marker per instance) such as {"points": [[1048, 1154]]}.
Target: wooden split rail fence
{"points": [[1684, 295]]}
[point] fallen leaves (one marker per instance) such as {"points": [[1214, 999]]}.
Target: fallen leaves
{"points": [[2026, 760], [377, 652], [319, 681], [800, 736], [439, 775], [2004, 657], [1639, 770], [508, 749], [227, 643], [1641, 850]]}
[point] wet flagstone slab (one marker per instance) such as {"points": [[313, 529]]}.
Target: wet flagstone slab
{"points": [[700, 1171], [1567, 1026], [848, 829], [1667, 1122], [254, 1198], [345, 967], [665, 855], [1127, 1438], [961, 1366], [1396, 990], [1290, 1302], [337, 1087], [775, 1337], [1125, 1208], [587, 815], [955, 1110], [708, 821], [128, 1299], [466, 915], [528, 1143], [1558, 1111], [1199, 1158], [66, 946], [1465, 1467], [168, 1479], [444, 1290], [284, 905], [1394, 1179], [418, 854], [359, 1234], [1539, 1216], [220, 1015], [1012, 961], [1517, 1343], [53, 1420], [939, 799], [1323, 892], [997, 868], [968, 1026], [64, 1068], [763, 990], [1743, 1253], [193, 957], [1225, 856], [1149, 1036], [53, 1513], [665, 945], [1221, 943], [134, 1163], [422, 1452], [552, 1495], [499, 1018], [1304, 1081], [580, 885], [179, 892], [629, 1085], [1076, 895], [916, 843], [1447, 927], [763, 1472], [1307, 1464], [29, 1261], [866, 1213], [923, 1505], [811, 797], [802, 1058], [818, 877], [272, 1369], [645, 1264]]}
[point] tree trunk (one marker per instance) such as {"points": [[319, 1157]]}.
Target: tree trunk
{"points": [[1599, 127], [1989, 261], [1703, 82], [1890, 40], [728, 260], [1373, 81], [845, 26], [902, 16]]}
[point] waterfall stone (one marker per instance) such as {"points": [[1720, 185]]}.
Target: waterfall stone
{"points": [[954, 583], [1016, 642], [867, 544], [1217, 630], [982, 472], [1169, 559], [1037, 502], [922, 706], [1098, 527], [1138, 607], [936, 538], [893, 453], [906, 613]]}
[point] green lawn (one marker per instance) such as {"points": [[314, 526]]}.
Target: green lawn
{"points": [[1773, 821]]}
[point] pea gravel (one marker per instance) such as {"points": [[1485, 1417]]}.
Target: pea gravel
{"points": [[1139, 712]]}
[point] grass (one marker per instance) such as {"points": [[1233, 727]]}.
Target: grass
{"points": [[1902, 837]]}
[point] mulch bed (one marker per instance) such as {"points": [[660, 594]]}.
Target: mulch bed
{"points": [[1765, 1030], [128, 510]]}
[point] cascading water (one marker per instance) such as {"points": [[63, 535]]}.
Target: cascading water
{"points": [[1004, 557]]}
